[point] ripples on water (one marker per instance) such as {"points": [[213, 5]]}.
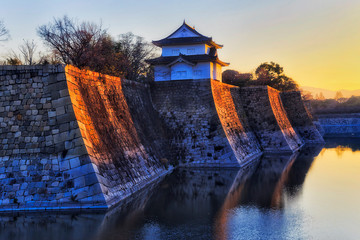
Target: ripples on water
{"points": [[313, 194]]}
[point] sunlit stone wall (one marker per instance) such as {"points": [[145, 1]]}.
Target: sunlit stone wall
{"points": [[234, 121], [300, 117], [268, 119], [121, 133]]}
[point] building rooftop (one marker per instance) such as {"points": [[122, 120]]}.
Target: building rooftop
{"points": [[193, 59], [185, 35]]}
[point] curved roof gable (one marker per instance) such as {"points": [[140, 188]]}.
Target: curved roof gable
{"points": [[185, 35], [185, 31]]}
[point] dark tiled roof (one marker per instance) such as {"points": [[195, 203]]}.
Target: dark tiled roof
{"points": [[186, 40], [190, 58]]}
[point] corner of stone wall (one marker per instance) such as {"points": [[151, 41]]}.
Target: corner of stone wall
{"points": [[43, 162]]}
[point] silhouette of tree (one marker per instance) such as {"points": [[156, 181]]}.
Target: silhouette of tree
{"points": [[87, 45], [338, 95], [320, 96], [272, 74], [28, 49], [306, 95], [135, 51]]}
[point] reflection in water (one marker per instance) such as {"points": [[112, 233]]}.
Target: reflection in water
{"points": [[45, 226], [277, 197], [180, 207], [348, 142]]}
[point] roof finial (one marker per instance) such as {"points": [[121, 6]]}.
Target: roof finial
{"points": [[184, 21]]}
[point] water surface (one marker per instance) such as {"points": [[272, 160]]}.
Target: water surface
{"points": [[313, 194]]}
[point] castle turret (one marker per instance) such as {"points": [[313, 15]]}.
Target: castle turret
{"points": [[187, 54]]}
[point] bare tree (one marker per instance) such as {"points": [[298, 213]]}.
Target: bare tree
{"points": [[4, 32], [73, 42], [28, 49], [135, 51], [85, 45]]}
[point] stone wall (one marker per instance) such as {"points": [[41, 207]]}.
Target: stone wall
{"points": [[268, 119], [117, 133], [43, 161], [74, 139], [234, 121], [300, 118], [79, 139], [195, 134], [340, 125]]}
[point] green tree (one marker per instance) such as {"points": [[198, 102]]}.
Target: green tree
{"points": [[272, 74]]}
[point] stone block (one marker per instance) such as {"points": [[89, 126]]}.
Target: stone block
{"points": [[74, 162]]}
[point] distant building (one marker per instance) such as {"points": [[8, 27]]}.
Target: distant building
{"points": [[186, 54]]}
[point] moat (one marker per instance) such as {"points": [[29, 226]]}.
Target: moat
{"points": [[309, 195]]}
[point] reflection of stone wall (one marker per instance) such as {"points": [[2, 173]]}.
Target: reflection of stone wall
{"points": [[55, 226], [233, 119], [197, 191], [196, 136], [300, 117], [268, 119]]}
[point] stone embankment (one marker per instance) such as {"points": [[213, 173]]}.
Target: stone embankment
{"points": [[72, 138], [195, 133], [69, 139], [340, 125], [300, 118], [268, 119]]}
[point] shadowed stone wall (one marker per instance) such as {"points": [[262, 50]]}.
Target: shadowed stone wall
{"points": [[300, 117], [268, 119], [43, 160], [195, 134]]}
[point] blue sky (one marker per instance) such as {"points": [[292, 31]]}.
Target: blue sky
{"points": [[317, 41]]}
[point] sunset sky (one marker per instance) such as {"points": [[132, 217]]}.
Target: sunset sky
{"points": [[316, 41]]}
